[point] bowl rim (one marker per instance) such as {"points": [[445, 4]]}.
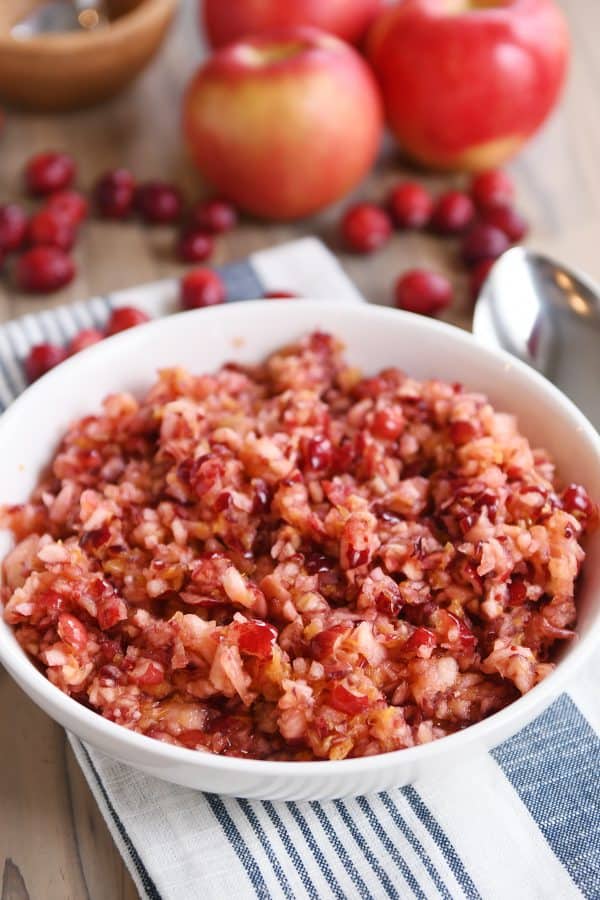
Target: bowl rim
{"points": [[65, 708], [148, 13]]}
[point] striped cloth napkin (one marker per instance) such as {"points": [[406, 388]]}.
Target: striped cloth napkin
{"points": [[520, 822]]}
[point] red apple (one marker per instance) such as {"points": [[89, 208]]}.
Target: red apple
{"points": [[226, 21], [467, 82], [285, 124]]}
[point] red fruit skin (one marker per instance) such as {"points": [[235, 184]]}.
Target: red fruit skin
{"points": [[86, 338], [272, 122], [42, 270], [479, 273], [158, 203], [226, 21], [213, 217], [42, 358], [453, 213], [71, 205], [125, 317], [465, 87], [424, 292], [195, 246], [366, 228], [13, 227], [508, 220], [114, 194], [483, 242], [280, 295], [49, 172], [411, 205], [492, 188], [48, 228], [201, 288]]}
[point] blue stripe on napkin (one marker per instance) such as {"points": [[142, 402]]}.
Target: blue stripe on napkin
{"points": [[554, 766]]}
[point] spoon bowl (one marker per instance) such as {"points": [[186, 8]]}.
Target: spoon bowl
{"points": [[548, 316]]}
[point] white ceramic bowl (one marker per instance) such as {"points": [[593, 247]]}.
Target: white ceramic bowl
{"points": [[375, 337]]}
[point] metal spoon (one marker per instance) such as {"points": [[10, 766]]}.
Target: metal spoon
{"points": [[61, 15], [549, 317]]}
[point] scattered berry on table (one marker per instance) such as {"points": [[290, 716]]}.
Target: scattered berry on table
{"points": [[411, 205], [366, 227], [479, 273], [42, 270], [483, 242], [508, 220], [42, 358], [453, 213], [158, 203], [85, 339], [195, 246], [49, 172], [423, 291], [50, 229], [200, 288], [492, 188], [113, 194], [13, 227], [213, 216], [71, 205], [125, 317]]}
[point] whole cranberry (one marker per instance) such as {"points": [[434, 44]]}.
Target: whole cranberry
{"points": [[195, 246], [49, 229], [213, 216], [125, 317], [280, 295], [422, 291], [493, 188], [411, 205], [158, 203], [71, 205], [483, 242], [49, 172], [13, 227], [113, 194], [479, 273], [85, 339], [42, 358], [42, 270], [508, 220], [366, 227], [453, 213], [200, 288]]}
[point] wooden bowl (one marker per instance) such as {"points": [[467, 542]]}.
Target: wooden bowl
{"points": [[70, 70]]}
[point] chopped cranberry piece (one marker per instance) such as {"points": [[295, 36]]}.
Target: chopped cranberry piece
{"points": [[483, 242], [280, 295], [42, 358], [388, 424], [84, 339], [192, 738], [508, 220], [576, 501], [461, 432], [492, 188], [453, 213], [453, 630], [256, 638], [262, 496], [195, 246], [113, 193], [324, 644], [517, 592], [366, 227], [357, 556], [148, 672], [158, 202], [111, 609], [201, 288], [347, 702], [411, 205], [317, 452], [125, 317], [479, 273], [421, 637], [71, 205], [13, 227], [50, 229], [42, 270], [48, 172], [72, 631], [317, 563], [421, 291], [213, 216]]}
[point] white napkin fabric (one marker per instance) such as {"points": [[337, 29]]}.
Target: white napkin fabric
{"points": [[520, 823]]}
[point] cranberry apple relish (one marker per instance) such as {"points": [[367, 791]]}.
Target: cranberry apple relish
{"points": [[296, 562]]}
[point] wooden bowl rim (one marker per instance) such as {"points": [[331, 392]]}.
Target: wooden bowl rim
{"points": [[147, 14]]}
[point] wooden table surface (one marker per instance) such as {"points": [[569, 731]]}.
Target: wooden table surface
{"points": [[53, 842]]}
